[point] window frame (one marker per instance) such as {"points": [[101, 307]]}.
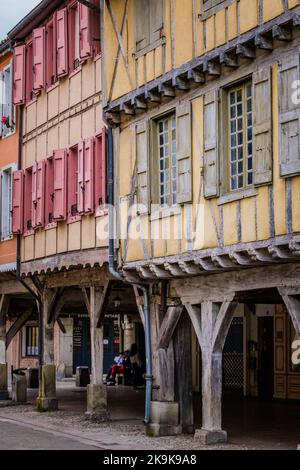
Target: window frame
{"points": [[72, 153], [74, 35], [226, 195], [167, 118], [51, 68], [243, 87], [25, 337], [8, 168], [154, 158], [12, 119]]}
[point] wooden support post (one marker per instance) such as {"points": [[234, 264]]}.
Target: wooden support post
{"points": [[211, 322], [96, 391], [47, 400], [4, 306]]}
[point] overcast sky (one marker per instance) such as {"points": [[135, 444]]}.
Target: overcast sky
{"points": [[12, 11]]}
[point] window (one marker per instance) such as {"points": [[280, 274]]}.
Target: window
{"points": [[7, 108], [6, 203], [50, 54], [240, 137], [29, 72], [49, 194], [166, 134], [74, 55], [28, 201], [31, 341], [149, 22], [73, 196]]}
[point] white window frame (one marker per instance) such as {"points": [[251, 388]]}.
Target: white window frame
{"points": [[7, 235], [4, 133]]}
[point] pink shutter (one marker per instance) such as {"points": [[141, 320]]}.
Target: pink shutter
{"points": [[85, 46], [80, 178], [39, 62], [17, 202], [61, 40], [59, 202], [19, 75], [40, 193], [33, 195], [88, 176]]}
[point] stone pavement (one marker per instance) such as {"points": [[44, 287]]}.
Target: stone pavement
{"points": [[251, 424]]}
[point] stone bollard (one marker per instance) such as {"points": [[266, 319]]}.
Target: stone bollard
{"points": [[47, 400], [19, 389], [3, 382]]}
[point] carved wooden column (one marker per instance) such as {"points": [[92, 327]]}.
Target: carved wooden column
{"points": [[47, 400], [96, 390], [211, 321]]}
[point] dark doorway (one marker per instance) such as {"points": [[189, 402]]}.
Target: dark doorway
{"points": [[81, 343], [111, 342], [233, 358], [140, 341], [265, 372]]}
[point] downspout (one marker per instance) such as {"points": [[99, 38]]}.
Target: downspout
{"points": [[118, 276], [18, 272]]}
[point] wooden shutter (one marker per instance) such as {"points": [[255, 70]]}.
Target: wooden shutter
{"points": [[156, 20], [289, 114], [61, 41], [262, 126], [142, 23], [39, 62], [17, 202], [80, 177], [184, 152], [89, 176], [211, 180], [142, 162], [59, 202], [33, 195], [19, 75], [40, 194], [85, 37]]}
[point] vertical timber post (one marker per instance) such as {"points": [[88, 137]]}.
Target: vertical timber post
{"points": [[4, 305]]}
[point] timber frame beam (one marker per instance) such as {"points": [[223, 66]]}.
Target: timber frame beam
{"points": [[199, 70]]}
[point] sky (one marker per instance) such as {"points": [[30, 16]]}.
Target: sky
{"points": [[12, 11]]}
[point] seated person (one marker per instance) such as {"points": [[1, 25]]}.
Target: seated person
{"points": [[117, 368]]}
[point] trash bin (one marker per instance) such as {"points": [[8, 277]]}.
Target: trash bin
{"points": [[82, 376], [32, 376], [19, 386]]}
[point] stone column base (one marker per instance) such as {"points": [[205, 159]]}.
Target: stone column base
{"points": [[3, 382], [210, 437], [46, 404], [161, 430], [97, 403], [47, 400], [164, 419]]}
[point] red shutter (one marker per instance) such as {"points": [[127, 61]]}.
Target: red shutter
{"points": [[33, 195], [85, 46], [39, 62], [100, 170], [40, 194], [62, 51], [80, 178], [19, 75], [17, 202], [89, 175], [59, 202]]}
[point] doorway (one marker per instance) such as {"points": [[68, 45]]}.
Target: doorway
{"points": [[81, 343], [265, 371]]}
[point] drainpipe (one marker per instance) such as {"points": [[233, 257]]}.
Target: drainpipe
{"points": [[18, 273], [120, 277]]}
